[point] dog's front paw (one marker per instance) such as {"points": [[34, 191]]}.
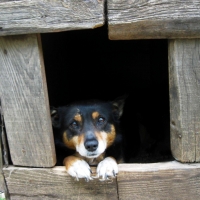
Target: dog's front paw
{"points": [[107, 168], [77, 167]]}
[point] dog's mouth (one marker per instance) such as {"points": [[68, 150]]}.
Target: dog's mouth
{"points": [[92, 155]]}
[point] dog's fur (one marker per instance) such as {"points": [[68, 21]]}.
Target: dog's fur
{"points": [[90, 131]]}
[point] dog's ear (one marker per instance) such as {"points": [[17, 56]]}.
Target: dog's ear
{"points": [[55, 117], [118, 105]]}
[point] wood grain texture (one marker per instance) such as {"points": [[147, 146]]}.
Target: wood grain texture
{"points": [[39, 16], [44, 184], [25, 103], [3, 187], [144, 19], [159, 181], [184, 81]]}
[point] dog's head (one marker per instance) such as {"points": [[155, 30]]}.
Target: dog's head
{"points": [[89, 127]]}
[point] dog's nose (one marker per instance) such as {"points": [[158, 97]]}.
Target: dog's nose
{"points": [[91, 145]]}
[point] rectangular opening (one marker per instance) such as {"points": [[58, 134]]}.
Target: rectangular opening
{"points": [[87, 65]]}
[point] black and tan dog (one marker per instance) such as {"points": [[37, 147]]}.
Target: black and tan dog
{"points": [[90, 131]]}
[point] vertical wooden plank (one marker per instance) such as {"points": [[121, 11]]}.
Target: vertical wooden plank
{"points": [[3, 188], [24, 97], [184, 81]]}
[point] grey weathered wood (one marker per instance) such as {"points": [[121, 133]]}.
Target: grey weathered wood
{"points": [[3, 187], [4, 147], [25, 103], [38, 16], [40, 183], [184, 81], [143, 19], [159, 181]]}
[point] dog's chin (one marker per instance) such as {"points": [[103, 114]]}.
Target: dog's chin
{"points": [[92, 155]]}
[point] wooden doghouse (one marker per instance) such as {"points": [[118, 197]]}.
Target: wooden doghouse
{"points": [[25, 107]]}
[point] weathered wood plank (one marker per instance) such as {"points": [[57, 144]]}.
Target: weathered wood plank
{"points": [[40, 183], [38, 16], [25, 104], [171, 180], [184, 81], [144, 19], [3, 187]]}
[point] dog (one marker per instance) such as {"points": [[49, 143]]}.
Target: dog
{"points": [[90, 134]]}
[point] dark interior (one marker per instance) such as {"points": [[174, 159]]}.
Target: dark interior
{"points": [[85, 64]]}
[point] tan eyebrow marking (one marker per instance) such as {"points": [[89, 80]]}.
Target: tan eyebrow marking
{"points": [[78, 117], [95, 115]]}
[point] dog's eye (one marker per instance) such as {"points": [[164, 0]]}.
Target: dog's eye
{"points": [[74, 125], [101, 120]]}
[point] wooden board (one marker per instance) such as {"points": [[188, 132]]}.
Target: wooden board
{"points": [[184, 81], [25, 103], [39, 16], [144, 19], [40, 183], [3, 187], [159, 181], [170, 180]]}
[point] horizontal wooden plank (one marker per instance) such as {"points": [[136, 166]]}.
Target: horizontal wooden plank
{"points": [[170, 180], [55, 183], [184, 76], [144, 19], [39, 16], [157, 181], [25, 102]]}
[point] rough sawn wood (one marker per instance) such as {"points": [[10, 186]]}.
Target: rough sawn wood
{"points": [[39, 16], [184, 82], [159, 181], [49, 184], [25, 101], [145, 19]]}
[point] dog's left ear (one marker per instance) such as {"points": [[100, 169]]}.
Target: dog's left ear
{"points": [[118, 105], [54, 117]]}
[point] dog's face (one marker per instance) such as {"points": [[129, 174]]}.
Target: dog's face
{"points": [[88, 127]]}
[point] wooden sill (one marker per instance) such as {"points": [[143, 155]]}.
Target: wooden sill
{"points": [[168, 180]]}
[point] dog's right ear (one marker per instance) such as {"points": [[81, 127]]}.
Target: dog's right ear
{"points": [[119, 105], [55, 117]]}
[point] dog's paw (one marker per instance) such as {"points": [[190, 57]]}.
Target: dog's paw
{"points": [[107, 168], [78, 168]]}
